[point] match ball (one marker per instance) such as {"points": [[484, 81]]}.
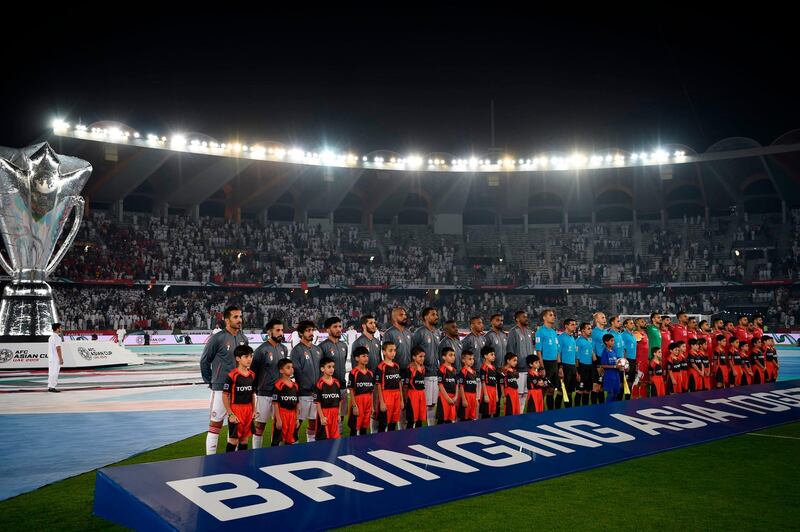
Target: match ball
{"points": [[622, 364]]}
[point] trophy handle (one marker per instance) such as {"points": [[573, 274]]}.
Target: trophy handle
{"points": [[6, 266], [78, 203]]}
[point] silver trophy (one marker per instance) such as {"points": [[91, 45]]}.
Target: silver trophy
{"points": [[38, 190]]}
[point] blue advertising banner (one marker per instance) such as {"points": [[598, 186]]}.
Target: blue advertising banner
{"points": [[334, 483]]}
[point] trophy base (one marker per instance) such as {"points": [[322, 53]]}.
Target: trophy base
{"points": [[27, 312]]}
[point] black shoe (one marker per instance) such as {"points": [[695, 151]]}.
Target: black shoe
{"points": [[53, 390]]}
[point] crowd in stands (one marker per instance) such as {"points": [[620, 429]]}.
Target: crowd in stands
{"points": [[215, 251], [90, 308], [208, 250]]}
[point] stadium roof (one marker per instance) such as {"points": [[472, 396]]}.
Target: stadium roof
{"points": [[147, 171]]}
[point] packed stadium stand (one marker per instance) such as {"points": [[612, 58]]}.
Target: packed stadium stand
{"points": [[170, 238]]}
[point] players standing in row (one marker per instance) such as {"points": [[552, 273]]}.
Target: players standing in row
{"points": [[433, 375]]}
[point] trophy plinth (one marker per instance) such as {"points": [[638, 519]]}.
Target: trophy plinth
{"points": [[27, 311]]}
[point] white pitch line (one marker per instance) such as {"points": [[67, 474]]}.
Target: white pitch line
{"points": [[773, 436]]}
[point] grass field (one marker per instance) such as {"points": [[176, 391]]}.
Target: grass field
{"points": [[747, 482]]}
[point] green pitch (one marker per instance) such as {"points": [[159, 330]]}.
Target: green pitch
{"points": [[747, 482]]}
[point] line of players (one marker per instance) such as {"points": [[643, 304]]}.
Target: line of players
{"points": [[410, 378], [688, 356]]}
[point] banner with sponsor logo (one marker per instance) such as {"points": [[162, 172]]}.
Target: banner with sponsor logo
{"points": [[76, 354], [124, 282], [786, 339], [166, 339], [88, 337], [567, 286], [772, 282], [92, 354], [696, 284], [145, 282], [183, 339], [334, 483], [23, 355]]}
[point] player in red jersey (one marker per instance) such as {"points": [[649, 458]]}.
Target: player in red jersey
{"points": [[448, 389], [239, 398], [771, 355], [737, 374], [680, 331], [467, 380], [537, 384], [666, 339], [695, 382], [388, 383], [691, 329], [744, 349], [674, 368], [488, 407], [361, 383], [722, 363], [705, 361], [730, 332], [510, 383], [742, 333], [656, 369], [758, 361], [416, 407], [642, 359], [285, 398], [758, 326], [327, 395]]}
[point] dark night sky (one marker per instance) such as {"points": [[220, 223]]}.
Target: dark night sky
{"points": [[410, 84]]}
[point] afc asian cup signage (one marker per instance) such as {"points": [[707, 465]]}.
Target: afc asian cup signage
{"points": [[21, 357], [76, 354], [91, 354]]}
